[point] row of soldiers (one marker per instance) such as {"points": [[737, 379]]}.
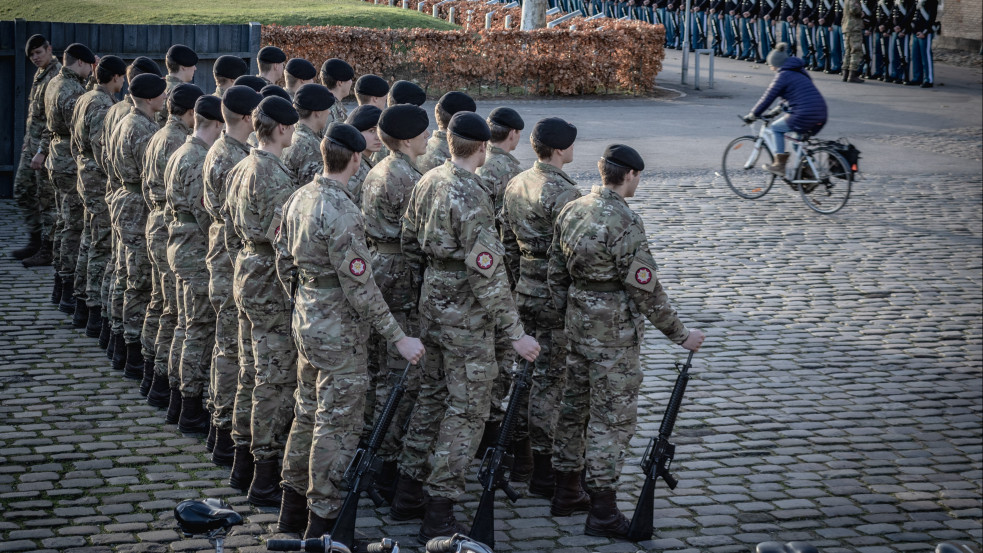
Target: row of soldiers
{"points": [[896, 35], [260, 260]]}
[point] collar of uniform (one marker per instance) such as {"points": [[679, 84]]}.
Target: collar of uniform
{"points": [[326, 182], [175, 120], [301, 128], [102, 88], [135, 109], [607, 193], [400, 155], [197, 141], [172, 80], [263, 155], [366, 158], [551, 170], [54, 65], [439, 135], [495, 150], [459, 172], [234, 142], [69, 73]]}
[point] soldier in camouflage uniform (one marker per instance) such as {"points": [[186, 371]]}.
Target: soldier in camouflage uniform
{"points": [[226, 70], [271, 60], [187, 245], [600, 269], [500, 167], [321, 247], [87, 146], [303, 156], [449, 228], [337, 75], [228, 388], [437, 150], [296, 74], [257, 189], [181, 63], [127, 148], [373, 90], [34, 193], [366, 120], [532, 201], [385, 194], [59, 104]]}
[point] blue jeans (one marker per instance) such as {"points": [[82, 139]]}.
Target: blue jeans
{"points": [[779, 127]]}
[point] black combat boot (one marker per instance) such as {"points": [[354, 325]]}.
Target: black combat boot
{"points": [[542, 482], [119, 352], [604, 519], [317, 526], [32, 247], [523, 464], [148, 380], [134, 361], [293, 513], [80, 318], [194, 419], [159, 395], [569, 497], [67, 303], [105, 334], [173, 406], [210, 440], [42, 258], [93, 327], [242, 468], [409, 501], [439, 520], [224, 453], [57, 290], [265, 490]]}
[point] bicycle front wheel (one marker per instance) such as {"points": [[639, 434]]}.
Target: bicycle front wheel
{"points": [[830, 182], [741, 167]]}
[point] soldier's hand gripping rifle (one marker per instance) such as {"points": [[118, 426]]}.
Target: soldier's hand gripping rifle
{"points": [[658, 458], [365, 465], [496, 466]]}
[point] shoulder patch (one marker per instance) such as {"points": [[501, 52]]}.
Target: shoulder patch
{"points": [[274, 230], [641, 276], [356, 266], [485, 255]]}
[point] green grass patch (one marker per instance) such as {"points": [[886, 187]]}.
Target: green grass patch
{"points": [[354, 13]]}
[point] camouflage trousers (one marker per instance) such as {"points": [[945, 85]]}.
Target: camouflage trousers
{"points": [[539, 319], [224, 375], [197, 318], [452, 406], [135, 269], [600, 407], [35, 196], [113, 284], [161, 320], [853, 50], [96, 236], [327, 416], [259, 297], [67, 234], [387, 358]]}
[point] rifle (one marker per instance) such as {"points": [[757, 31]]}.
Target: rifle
{"points": [[899, 44], [365, 465], [824, 44], [717, 32], [701, 34], [866, 63], [752, 34], [736, 29], [496, 466], [810, 47], [658, 458], [770, 27]]}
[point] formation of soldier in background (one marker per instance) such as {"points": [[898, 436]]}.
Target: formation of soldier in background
{"points": [[263, 263]]}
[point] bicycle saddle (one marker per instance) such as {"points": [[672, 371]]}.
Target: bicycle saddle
{"points": [[790, 547], [201, 516]]}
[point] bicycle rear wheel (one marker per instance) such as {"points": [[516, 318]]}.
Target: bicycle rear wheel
{"points": [[832, 182], [741, 168]]}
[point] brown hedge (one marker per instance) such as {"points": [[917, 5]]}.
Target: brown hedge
{"points": [[599, 56]]}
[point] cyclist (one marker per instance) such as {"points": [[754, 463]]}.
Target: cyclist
{"points": [[806, 108]]}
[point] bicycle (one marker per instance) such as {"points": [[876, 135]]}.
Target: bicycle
{"points": [[815, 168]]}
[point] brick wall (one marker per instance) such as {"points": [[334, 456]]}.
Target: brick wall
{"points": [[962, 24]]}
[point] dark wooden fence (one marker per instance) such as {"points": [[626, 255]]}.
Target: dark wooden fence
{"points": [[126, 41]]}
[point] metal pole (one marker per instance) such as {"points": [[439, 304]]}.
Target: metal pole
{"points": [[686, 31]]}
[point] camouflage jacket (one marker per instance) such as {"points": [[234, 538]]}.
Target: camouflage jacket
{"points": [[172, 81], [87, 135], [303, 156], [500, 167], [219, 91], [113, 117], [438, 151], [449, 228], [532, 202], [257, 188], [599, 239], [37, 122], [128, 146], [385, 195], [169, 138], [224, 154], [322, 243], [355, 183], [184, 185], [62, 93], [379, 156], [338, 112]]}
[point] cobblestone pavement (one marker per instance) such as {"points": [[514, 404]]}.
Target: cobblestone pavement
{"points": [[837, 398]]}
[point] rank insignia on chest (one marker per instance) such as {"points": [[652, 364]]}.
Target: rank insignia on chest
{"points": [[641, 276]]}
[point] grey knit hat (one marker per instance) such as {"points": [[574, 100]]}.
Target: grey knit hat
{"points": [[778, 56]]}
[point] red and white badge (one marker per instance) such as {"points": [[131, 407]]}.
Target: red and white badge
{"points": [[357, 266], [484, 261], [643, 276]]}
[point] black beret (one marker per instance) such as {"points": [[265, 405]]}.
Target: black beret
{"points": [[185, 95], [507, 117], [364, 117], [555, 133], [182, 55], [274, 90], [623, 156], [252, 81], [241, 99], [209, 107], [80, 52], [271, 54], [338, 70], [114, 65], [230, 67], [301, 69], [144, 64], [469, 125], [455, 101], [313, 97], [404, 121], [36, 41], [372, 85], [405, 92], [147, 86], [346, 136], [279, 110]]}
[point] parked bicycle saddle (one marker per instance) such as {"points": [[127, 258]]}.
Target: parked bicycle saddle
{"points": [[201, 516], [790, 547]]}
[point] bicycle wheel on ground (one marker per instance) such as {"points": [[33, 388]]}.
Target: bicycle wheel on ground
{"points": [[833, 181], [741, 167]]}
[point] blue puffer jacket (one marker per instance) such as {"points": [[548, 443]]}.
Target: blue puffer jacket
{"points": [[807, 109]]}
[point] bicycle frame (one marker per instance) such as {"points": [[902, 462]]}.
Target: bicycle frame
{"points": [[765, 134]]}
